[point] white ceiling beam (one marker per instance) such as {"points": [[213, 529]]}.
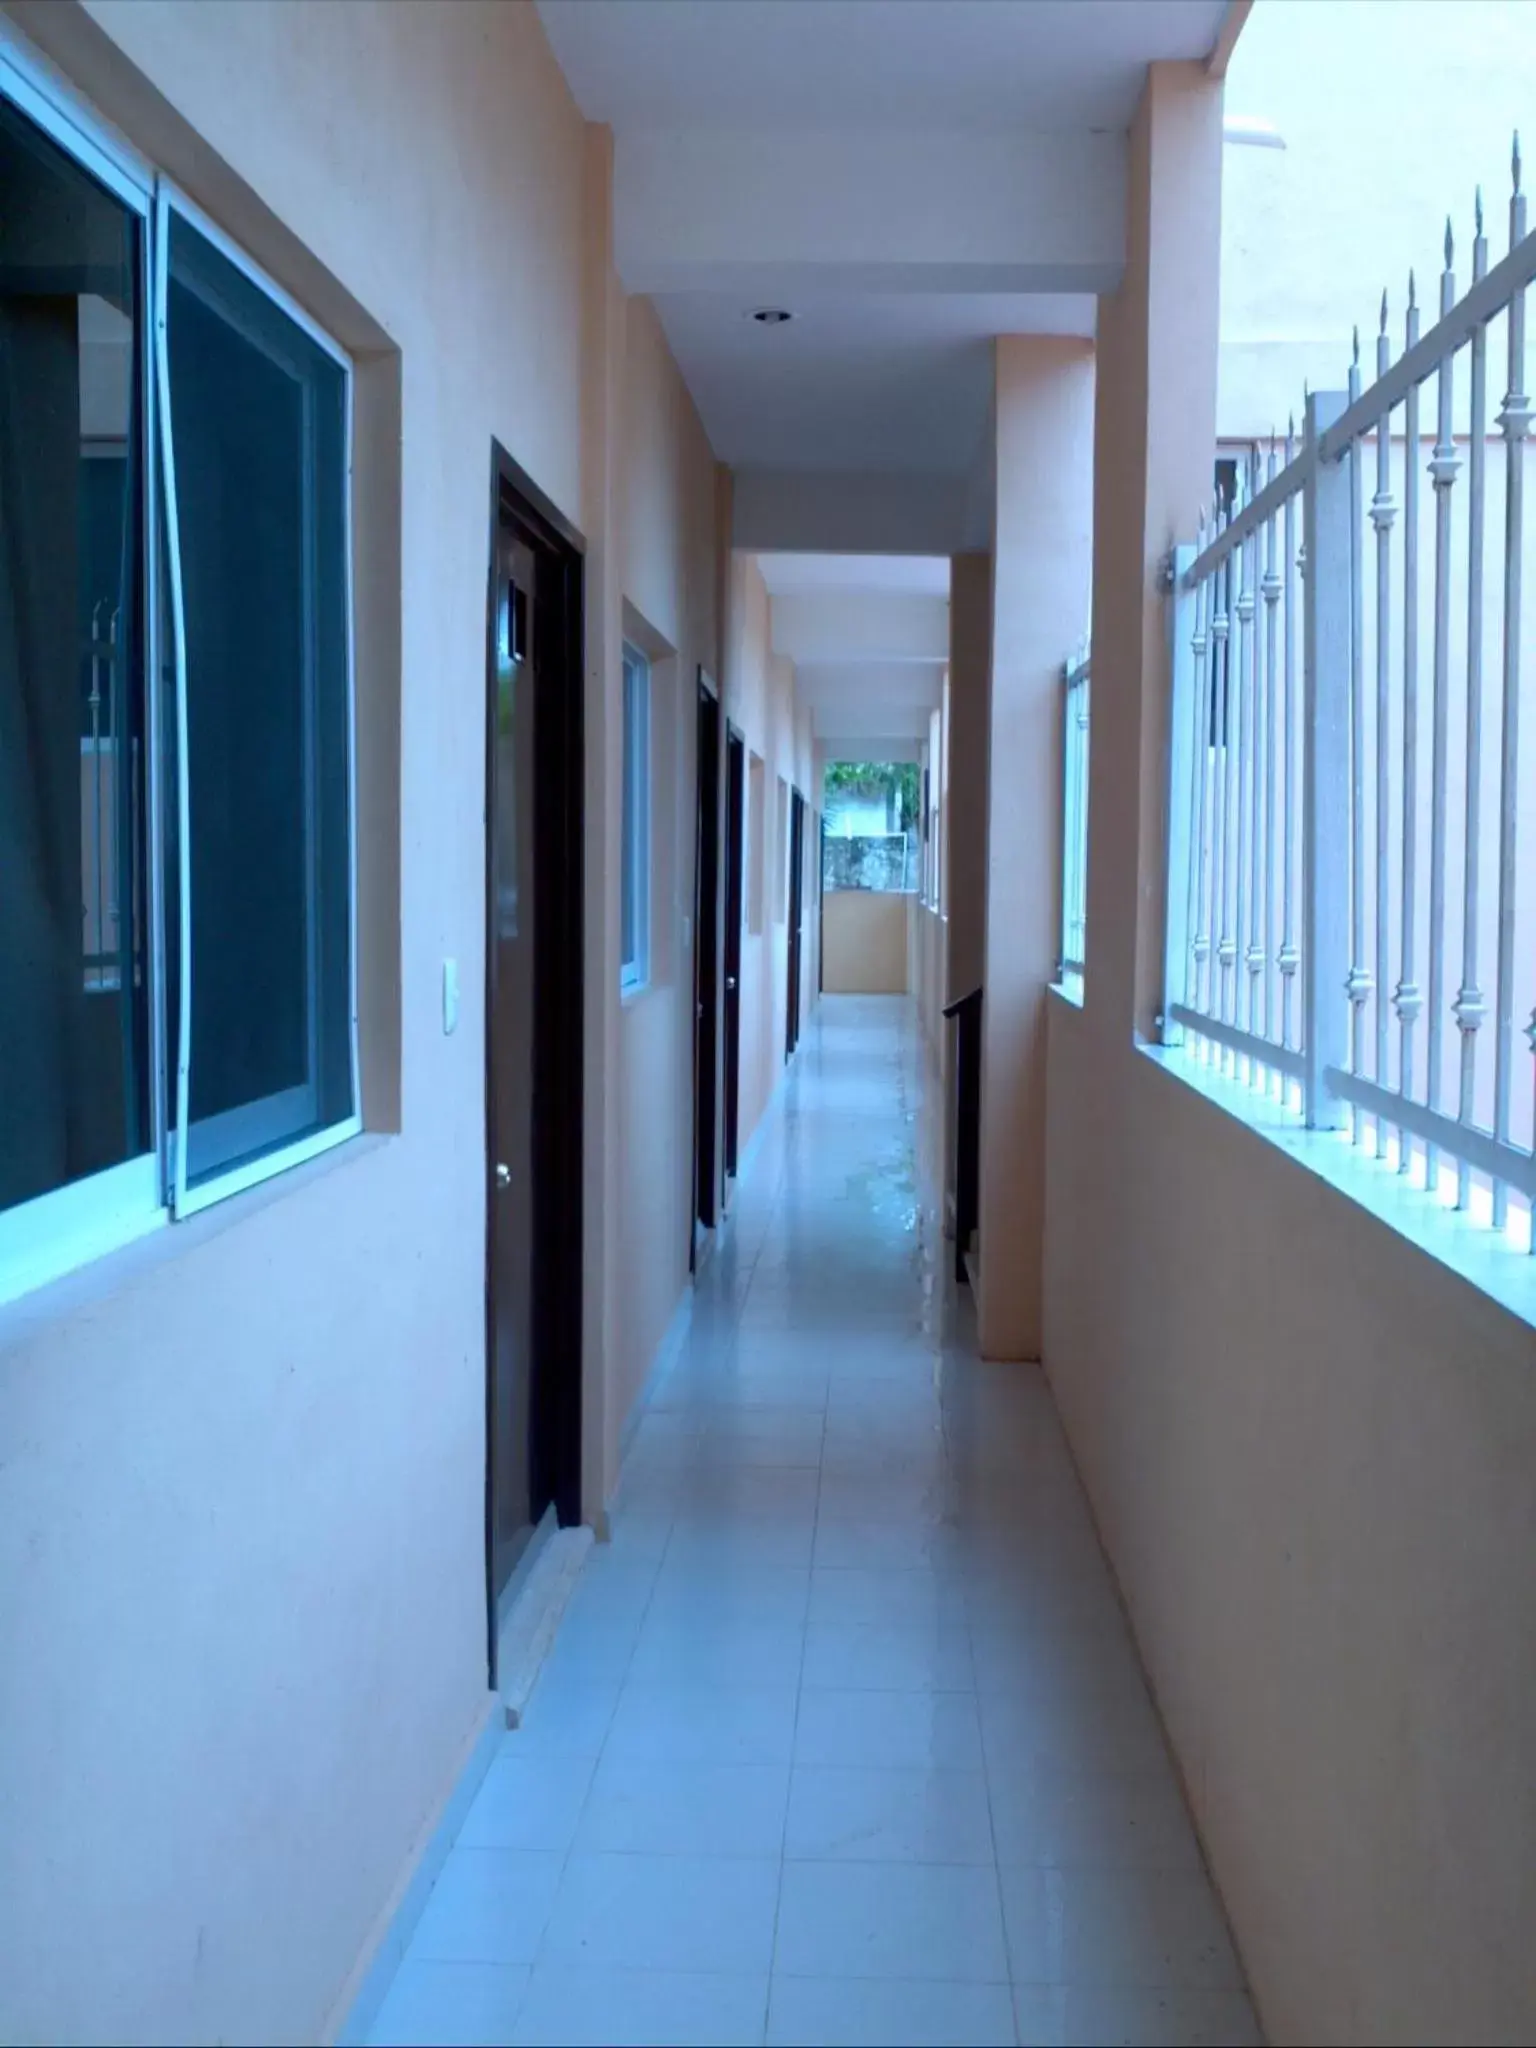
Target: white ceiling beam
{"points": [[770, 214], [886, 626], [844, 727], [910, 684], [830, 512], [870, 746]]}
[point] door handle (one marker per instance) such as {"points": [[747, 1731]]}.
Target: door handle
{"points": [[730, 982], [503, 1175]]}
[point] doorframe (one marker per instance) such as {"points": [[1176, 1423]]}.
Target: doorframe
{"points": [[735, 900], [556, 1363], [705, 1191]]}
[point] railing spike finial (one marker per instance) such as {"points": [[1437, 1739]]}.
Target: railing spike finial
{"points": [[1450, 243], [1355, 347], [1477, 207], [1413, 292], [1514, 162], [1383, 309]]}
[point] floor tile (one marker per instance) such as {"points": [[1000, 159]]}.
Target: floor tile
{"points": [[488, 1906], [580, 2006], [759, 1540], [862, 1814], [1095, 1730], [912, 1656], [1060, 1816], [685, 1809], [1054, 1660], [528, 1802], [679, 1722], [890, 1920], [686, 1913], [893, 1730], [881, 1545], [846, 1714], [1147, 1928], [611, 1589], [883, 1597], [1074, 2017], [567, 1716], [712, 1650], [639, 1532], [585, 1652], [873, 2012], [734, 1593], [450, 2005]]}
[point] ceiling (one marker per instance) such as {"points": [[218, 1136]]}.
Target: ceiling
{"points": [[1057, 64], [869, 638], [917, 575], [908, 179], [858, 381]]}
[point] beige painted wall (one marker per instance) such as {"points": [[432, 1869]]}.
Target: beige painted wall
{"points": [[1308, 1445], [670, 590], [1309, 1449], [241, 1528], [866, 942], [925, 972], [1043, 533], [758, 691]]}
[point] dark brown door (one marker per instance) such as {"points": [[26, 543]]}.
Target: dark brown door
{"points": [[796, 918], [510, 1049], [533, 1035], [735, 856], [706, 956]]}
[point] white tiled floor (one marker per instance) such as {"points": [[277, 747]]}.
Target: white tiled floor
{"points": [[843, 1738]]}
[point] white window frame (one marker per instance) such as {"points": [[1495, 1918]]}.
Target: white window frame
{"points": [[635, 966], [187, 1199], [56, 1233]]}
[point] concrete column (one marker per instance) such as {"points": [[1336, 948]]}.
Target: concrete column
{"points": [[1040, 595], [1154, 449], [970, 710]]}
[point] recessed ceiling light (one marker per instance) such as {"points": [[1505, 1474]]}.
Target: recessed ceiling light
{"points": [[771, 316]]}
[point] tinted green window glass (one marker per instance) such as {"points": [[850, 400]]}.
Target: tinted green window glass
{"points": [[74, 1045]]}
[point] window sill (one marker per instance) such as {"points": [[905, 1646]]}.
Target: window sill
{"points": [[1483, 1258], [632, 992], [1069, 989], [95, 1282]]}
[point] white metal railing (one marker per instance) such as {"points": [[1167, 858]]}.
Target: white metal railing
{"points": [[1334, 828], [1234, 944], [1078, 679]]}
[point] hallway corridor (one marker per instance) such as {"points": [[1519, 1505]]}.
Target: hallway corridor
{"points": [[843, 1738]]}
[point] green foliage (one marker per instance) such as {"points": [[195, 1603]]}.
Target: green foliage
{"points": [[876, 780]]}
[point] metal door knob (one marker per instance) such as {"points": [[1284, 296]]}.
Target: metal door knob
{"points": [[503, 1175], [730, 981]]}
